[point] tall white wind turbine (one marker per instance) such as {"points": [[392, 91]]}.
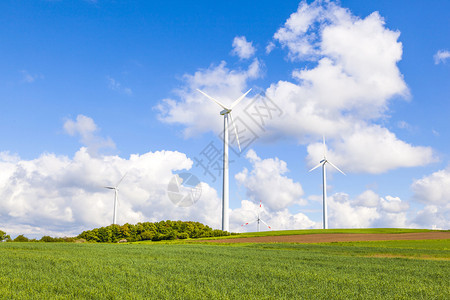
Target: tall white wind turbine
{"points": [[258, 219], [116, 196], [323, 163], [225, 189]]}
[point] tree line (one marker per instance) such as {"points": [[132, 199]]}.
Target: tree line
{"points": [[145, 231], [21, 238]]}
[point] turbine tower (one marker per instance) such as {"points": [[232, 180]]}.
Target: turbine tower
{"points": [[116, 196], [225, 189], [258, 219], [323, 163]]}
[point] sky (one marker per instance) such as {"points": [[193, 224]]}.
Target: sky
{"points": [[93, 90]]}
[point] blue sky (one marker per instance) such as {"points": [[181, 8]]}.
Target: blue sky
{"points": [[93, 89]]}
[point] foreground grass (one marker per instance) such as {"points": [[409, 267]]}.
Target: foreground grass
{"points": [[363, 270]]}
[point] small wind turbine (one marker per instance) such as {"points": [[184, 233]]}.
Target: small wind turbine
{"points": [[225, 189], [116, 196], [258, 219], [322, 163]]}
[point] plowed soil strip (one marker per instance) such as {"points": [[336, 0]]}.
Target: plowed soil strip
{"points": [[338, 237]]}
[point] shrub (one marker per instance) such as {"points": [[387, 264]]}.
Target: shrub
{"points": [[172, 235], [157, 237], [182, 236], [147, 235]]}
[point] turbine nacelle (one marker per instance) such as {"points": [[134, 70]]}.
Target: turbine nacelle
{"points": [[225, 111]]}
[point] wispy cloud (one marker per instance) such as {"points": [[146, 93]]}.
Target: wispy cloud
{"points": [[270, 46], [242, 48], [86, 128], [30, 78], [117, 86], [441, 56]]}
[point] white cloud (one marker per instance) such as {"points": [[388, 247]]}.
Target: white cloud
{"points": [[242, 48], [296, 33], [393, 204], [347, 91], [433, 189], [86, 128], [367, 210], [441, 56], [198, 113], [433, 217], [371, 149], [267, 182], [116, 86], [63, 196]]}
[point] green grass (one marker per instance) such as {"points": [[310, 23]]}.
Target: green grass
{"points": [[355, 270], [320, 231]]}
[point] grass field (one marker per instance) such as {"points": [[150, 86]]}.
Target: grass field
{"points": [[320, 231], [352, 270]]}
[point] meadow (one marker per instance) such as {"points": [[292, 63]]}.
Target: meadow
{"points": [[351, 270]]}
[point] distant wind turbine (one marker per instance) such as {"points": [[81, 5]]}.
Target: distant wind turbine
{"points": [[322, 163], [116, 196], [258, 219], [225, 189]]}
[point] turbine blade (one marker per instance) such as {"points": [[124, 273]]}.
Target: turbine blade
{"points": [[324, 147], [235, 131], [239, 99], [335, 166], [109, 187], [266, 224], [215, 100], [316, 167], [245, 224], [121, 179]]}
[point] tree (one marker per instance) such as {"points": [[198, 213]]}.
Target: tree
{"points": [[4, 236], [21, 238]]}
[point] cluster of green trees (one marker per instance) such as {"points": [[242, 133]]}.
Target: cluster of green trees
{"points": [[45, 238], [163, 230]]}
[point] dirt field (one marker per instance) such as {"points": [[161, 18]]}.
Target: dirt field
{"points": [[338, 237]]}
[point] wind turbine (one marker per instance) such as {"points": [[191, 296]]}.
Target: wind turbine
{"points": [[258, 219], [116, 196], [225, 189], [323, 163]]}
